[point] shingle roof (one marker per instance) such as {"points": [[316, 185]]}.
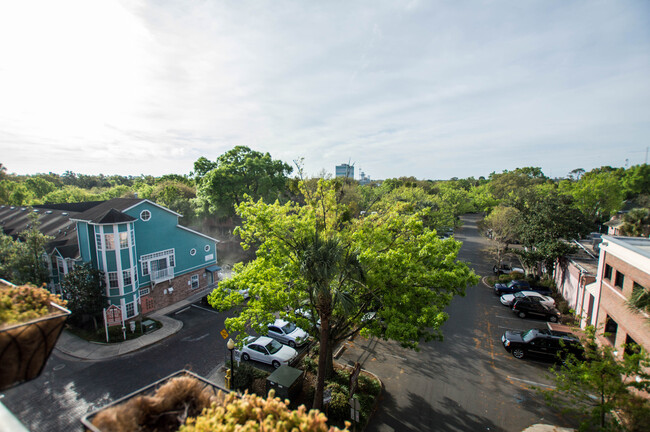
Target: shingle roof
{"points": [[97, 213]]}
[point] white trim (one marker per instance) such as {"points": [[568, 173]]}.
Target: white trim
{"points": [[197, 233], [153, 204], [145, 211]]}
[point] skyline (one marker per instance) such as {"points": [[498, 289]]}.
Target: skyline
{"points": [[426, 89]]}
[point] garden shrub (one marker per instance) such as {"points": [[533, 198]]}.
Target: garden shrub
{"points": [[368, 385], [245, 374]]}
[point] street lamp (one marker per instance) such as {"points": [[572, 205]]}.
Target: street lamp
{"points": [[231, 347]]}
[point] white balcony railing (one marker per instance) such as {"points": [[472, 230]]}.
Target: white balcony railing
{"points": [[162, 275]]}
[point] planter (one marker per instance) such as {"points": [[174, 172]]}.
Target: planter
{"points": [[157, 406], [25, 347]]}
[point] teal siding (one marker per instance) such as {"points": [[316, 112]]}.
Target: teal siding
{"points": [[83, 237]]}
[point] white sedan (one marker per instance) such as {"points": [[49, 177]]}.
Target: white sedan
{"points": [[509, 299], [267, 350], [287, 333]]}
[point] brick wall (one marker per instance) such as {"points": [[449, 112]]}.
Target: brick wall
{"points": [[160, 297]]}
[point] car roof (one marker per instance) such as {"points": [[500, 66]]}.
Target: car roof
{"points": [[280, 322], [262, 340], [531, 293]]}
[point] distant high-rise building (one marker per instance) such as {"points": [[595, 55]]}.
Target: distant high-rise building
{"points": [[345, 170], [364, 180]]}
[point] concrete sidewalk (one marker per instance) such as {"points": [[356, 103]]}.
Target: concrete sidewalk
{"points": [[74, 346]]}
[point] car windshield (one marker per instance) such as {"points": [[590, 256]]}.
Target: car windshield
{"points": [[273, 346], [288, 327], [528, 336], [519, 294], [512, 283]]}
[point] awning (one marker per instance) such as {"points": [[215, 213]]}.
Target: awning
{"points": [[212, 268]]}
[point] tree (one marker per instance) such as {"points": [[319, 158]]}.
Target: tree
{"points": [[84, 289], [510, 183], [636, 223], [22, 261], [239, 172], [599, 384], [544, 226], [310, 257], [597, 195], [501, 226]]}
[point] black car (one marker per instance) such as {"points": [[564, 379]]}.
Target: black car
{"points": [[544, 343], [532, 306], [511, 288], [519, 285]]}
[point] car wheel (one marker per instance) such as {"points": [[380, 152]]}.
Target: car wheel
{"points": [[518, 353], [552, 318], [276, 364], [245, 357], [292, 344], [522, 314]]}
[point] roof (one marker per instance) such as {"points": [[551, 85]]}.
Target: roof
{"points": [[108, 212], [54, 222], [639, 245]]}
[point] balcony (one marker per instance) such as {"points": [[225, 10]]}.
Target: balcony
{"points": [[162, 275]]}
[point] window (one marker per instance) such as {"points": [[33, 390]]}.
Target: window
{"points": [[608, 272], [124, 240], [130, 310], [192, 251], [620, 279], [172, 261], [145, 215], [207, 248], [132, 237], [126, 276], [108, 239], [195, 282], [60, 266], [112, 280], [145, 291], [98, 240], [611, 327], [145, 268]]}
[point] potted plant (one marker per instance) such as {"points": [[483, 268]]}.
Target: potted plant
{"points": [[185, 402], [31, 320]]}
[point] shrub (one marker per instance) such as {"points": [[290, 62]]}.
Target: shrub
{"points": [[339, 408], [310, 364], [245, 374], [368, 385], [253, 413]]}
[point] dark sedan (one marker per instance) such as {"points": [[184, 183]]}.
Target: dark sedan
{"points": [[533, 307], [511, 287], [543, 343]]}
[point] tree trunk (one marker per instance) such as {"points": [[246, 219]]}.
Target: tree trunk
{"points": [[322, 361], [329, 364]]}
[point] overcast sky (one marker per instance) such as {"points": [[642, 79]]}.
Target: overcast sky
{"points": [[431, 89]]}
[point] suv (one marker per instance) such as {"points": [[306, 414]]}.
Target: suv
{"points": [[533, 306], [546, 343]]}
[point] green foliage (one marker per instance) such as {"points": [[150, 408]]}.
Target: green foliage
{"points": [[636, 223], [84, 288], [238, 173], [23, 261], [598, 385], [305, 258], [598, 195], [24, 303], [245, 374], [252, 413]]}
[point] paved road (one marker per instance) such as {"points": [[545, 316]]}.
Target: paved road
{"points": [[467, 382], [69, 388]]}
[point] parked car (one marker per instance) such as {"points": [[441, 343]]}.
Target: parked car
{"points": [[544, 343], [511, 287], [267, 350], [506, 269], [519, 285], [532, 306], [509, 299], [287, 333]]}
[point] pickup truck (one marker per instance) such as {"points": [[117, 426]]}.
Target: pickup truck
{"points": [[516, 286]]}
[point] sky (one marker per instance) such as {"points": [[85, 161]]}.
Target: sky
{"points": [[430, 89]]}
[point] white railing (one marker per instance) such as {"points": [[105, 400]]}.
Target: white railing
{"points": [[162, 275]]}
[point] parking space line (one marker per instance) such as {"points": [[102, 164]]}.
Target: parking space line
{"points": [[531, 382], [205, 309], [512, 317]]}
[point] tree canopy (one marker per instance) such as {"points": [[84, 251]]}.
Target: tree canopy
{"points": [[386, 265]]}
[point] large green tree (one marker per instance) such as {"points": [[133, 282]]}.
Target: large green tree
{"points": [[313, 258], [241, 171]]}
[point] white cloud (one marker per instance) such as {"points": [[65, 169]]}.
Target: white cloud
{"points": [[430, 89]]}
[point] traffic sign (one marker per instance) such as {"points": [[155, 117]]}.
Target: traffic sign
{"points": [[224, 333]]}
